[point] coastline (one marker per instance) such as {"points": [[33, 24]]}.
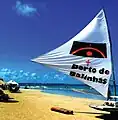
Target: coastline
{"points": [[35, 105]]}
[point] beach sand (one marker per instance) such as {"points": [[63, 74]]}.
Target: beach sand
{"points": [[35, 105]]}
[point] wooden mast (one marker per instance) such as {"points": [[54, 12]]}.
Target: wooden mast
{"points": [[113, 74]]}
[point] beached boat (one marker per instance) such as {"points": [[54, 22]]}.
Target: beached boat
{"points": [[88, 57]]}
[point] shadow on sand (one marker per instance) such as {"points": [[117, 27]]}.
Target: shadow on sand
{"points": [[17, 92], [9, 101], [87, 112], [108, 116], [103, 116]]}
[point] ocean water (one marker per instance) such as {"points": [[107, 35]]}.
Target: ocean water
{"points": [[72, 90]]}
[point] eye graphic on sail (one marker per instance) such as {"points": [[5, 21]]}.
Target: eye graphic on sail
{"points": [[96, 50]]}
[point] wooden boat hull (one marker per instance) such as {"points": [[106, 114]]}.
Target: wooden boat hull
{"points": [[104, 108]]}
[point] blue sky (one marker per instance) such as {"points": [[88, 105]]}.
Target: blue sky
{"points": [[23, 38]]}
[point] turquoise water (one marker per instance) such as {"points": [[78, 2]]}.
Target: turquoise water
{"points": [[73, 93], [72, 90], [83, 91]]}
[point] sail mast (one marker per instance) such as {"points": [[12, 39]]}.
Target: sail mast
{"points": [[113, 74], [114, 83]]}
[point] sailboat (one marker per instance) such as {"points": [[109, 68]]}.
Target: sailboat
{"points": [[87, 57]]}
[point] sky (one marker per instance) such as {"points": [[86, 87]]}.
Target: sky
{"points": [[24, 35]]}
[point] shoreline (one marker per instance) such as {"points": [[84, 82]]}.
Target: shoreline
{"points": [[72, 93], [35, 105], [60, 95]]}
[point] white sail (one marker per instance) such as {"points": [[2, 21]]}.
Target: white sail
{"points": [[86, 57]]}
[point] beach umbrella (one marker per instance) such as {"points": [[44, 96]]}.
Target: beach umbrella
{"points": [[13, 86], [12, 82]]}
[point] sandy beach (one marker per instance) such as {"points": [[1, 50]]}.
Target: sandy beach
{"points": [[35, 105]]}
